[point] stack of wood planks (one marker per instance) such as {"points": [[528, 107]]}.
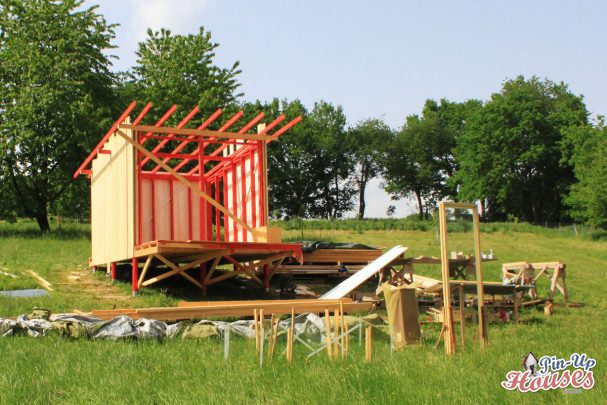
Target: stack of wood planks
{"points": [[203, 310], [339, 256]]}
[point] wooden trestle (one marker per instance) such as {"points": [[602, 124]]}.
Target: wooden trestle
{"points": [[245, 258]]}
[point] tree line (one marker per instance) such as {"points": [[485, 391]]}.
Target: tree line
{"points": [[530, 152]]}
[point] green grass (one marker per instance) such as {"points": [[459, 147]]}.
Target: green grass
{"points": [[51, 369]]}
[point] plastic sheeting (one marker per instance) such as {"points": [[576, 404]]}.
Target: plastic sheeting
{"points": [[308, 327]]}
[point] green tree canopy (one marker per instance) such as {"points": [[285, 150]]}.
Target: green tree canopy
{"points": [[55, 93], [511, 152], [181, 69], [588, 197], [367, 141], [309, 167], [420, 160]]}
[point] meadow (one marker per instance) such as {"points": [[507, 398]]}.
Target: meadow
{"points": [[52, 369]]}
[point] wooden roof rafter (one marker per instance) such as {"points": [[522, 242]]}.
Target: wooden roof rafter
{"points": [[200, 135]]}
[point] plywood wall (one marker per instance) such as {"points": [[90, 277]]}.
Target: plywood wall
{"points": [[168, 201], [113, 202]]}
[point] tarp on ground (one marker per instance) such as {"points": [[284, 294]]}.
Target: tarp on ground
{"points": [[308, 327]]}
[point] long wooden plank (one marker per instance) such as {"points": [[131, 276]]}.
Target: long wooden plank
{"points": [[185, 304], [369, 270], [176, 314], [255, 304], [199, 132], [41, 281], [341, 255]]}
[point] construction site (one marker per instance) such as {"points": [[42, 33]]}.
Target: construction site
{"points": [[191, 204]]}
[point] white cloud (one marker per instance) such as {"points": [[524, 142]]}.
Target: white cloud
{"points": [[179, 16]]}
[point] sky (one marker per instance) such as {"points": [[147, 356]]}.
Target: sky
{"points": [[383, 58]]}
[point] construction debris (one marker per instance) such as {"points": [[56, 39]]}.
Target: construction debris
{"points": [[348, 285], [41, 281]]}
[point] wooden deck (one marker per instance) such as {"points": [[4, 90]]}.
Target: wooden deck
{"points": [[245, 258]]}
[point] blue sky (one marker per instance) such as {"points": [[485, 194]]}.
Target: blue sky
{"points": [[384, 58]]}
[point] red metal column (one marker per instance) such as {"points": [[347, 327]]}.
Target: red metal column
{"points": [[243, 197], [113, 271], [235, 204], [135, 276], [253, 179], [171, 214], [190, 213], [226, 228]]}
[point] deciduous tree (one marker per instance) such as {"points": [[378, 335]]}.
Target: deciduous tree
{"points": [[511, 153], [55, 93]]}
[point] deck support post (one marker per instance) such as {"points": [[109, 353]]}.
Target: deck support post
{"points": [[135, 276], [203, 276], [266, 277], [113, 271]]}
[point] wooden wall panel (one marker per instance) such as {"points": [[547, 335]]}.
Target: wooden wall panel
{"points": [[195, 221], [180, 211], [162, 209], [112, 199], [146, 210]]}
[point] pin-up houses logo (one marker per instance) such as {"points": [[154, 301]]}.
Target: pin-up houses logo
{"points": [[550, 373]]}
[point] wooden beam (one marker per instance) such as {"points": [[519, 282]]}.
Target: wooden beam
{"points": [[482, 326], [282, 307], [198, 132], [447, 313], [179, 270], [146, 267]]}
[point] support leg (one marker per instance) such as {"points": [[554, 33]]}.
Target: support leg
{"points": [[135, 276], [113, 271], [266, 277], [203, 276]]}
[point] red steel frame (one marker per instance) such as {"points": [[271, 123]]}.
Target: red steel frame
{"points": [[207, 159]]}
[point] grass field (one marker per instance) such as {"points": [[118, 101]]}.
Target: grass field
{"points": [[53, 370]]}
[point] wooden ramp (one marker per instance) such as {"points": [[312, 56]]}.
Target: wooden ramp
{"points": [[363, 275]]}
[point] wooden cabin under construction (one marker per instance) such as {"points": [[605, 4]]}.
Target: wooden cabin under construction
{"points": [[187, 198]]}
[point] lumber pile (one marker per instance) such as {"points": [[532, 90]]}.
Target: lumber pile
{"points": [[341, 256], [204, 310]]}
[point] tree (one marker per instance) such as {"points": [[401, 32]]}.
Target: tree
{"points": [[332, 163], [367, 144], [415, 162], [309, 167], [511, 153], [55, 89], [420, 161], [180, 69], [588, 197]]}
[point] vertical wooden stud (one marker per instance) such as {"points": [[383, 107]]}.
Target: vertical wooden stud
{"points": [[328, 330], [462, 320], [482, 327], [256, 331], [447, 313]]}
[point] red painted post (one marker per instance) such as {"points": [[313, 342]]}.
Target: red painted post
{"points": [[266, 277], [135, 276], [203, 276], [171, 213], [113, 271]]}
